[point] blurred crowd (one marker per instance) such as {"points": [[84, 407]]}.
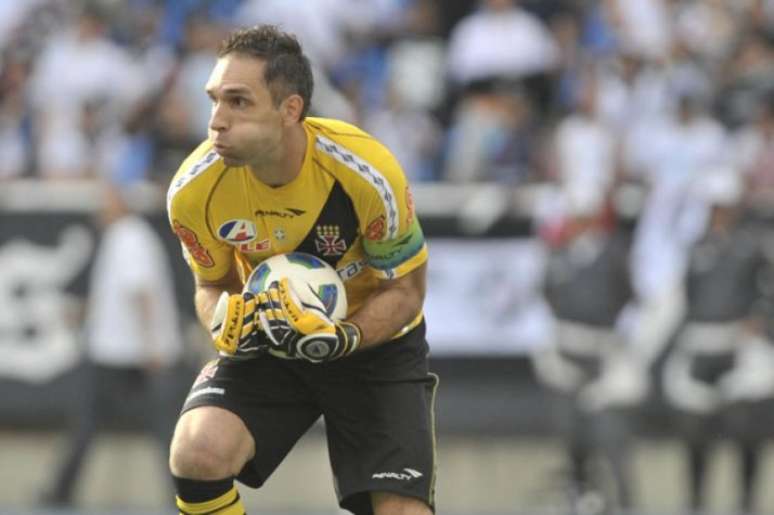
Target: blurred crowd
{"points": [[585, 92]]}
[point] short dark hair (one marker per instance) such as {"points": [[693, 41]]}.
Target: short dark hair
{"points": [[287, 69]]}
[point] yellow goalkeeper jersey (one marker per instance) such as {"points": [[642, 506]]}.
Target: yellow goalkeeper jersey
{"points": [[350, 205]]}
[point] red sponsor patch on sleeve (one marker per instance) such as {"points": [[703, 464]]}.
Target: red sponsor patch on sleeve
{"points": [[375, 229], [191, 242]]}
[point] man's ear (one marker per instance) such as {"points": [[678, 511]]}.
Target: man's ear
{"points": [[291, 109]]}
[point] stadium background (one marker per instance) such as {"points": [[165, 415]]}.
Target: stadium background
{"points": [[113, 90]]}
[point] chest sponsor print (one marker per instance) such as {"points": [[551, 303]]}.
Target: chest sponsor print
{"points": [[254, 246], [285, 212], [191, 241], [237, 231]]}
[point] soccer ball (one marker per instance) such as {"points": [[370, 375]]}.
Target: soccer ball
{"points": [[314, 281]]}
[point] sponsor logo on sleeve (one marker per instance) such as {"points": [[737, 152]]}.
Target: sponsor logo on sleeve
{"points": [[376, 228], [350, 270], [195, 249]]}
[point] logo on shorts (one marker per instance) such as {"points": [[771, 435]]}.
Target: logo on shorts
{"points": [[207, 372], [407, 475]]}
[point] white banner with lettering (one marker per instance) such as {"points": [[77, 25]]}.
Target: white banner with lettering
{"points": [[483, 296]]}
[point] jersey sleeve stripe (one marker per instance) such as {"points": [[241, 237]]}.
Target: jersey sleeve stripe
{"points": [[190, 174], [371, 175]]}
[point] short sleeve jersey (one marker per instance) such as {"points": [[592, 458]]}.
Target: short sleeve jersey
{"points": [[350, 205]]}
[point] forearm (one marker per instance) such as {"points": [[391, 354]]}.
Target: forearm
{"points": [[205, 299], [207, 295], [388, 310]]}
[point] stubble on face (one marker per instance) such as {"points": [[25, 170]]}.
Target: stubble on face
{"points": [[245, 126]]}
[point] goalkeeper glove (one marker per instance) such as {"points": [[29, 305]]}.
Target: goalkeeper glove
{"points": [[235, 329], [298, 330]]}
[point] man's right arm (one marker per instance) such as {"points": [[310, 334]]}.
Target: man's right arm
{"points": [[208, 292]]}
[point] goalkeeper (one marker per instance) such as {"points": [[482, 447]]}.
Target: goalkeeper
{"points": [[271, 180]]}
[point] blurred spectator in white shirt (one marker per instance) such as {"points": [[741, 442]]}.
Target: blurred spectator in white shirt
{"points": [[644, 27], [687, 145], [708, 28], [500, 40], [679, 153], [79, 70], [584, 145], [132, 363]]}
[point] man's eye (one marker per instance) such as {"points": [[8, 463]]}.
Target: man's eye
{"points": [[238, 102]]}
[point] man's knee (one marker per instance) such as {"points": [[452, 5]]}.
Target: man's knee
{"points": [[388, 503], [208, 445]]}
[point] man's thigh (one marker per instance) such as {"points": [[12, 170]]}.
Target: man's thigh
{"points": [[274, 404], [380, 423]]}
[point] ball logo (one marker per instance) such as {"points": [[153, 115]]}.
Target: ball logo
{"points": [[237, 231]]}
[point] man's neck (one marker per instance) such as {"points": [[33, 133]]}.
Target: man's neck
{"points": [[288, 165]]}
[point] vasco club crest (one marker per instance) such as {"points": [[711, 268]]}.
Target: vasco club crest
{"points": [[329, 241]]}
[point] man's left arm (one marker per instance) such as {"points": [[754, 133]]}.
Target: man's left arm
{"points": [[294, 330], [393, 306]]}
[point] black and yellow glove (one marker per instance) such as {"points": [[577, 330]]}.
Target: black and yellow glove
{"points": [[235, 328], [298, 330]]}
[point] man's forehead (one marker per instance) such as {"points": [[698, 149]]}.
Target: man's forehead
{"points": [[234, 72]]}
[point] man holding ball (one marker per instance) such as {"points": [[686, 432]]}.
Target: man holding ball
{"points": [[270, 180]]}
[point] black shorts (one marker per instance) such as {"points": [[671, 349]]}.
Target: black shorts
{"points": [[377, 406]]}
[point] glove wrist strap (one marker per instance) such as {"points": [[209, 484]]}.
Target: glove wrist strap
{"points": [[349, 335]]}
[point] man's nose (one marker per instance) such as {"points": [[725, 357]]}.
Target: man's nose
{"points": [[218, 120]]}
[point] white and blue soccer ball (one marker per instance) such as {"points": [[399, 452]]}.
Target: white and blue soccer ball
{"points": [[314, 281]]}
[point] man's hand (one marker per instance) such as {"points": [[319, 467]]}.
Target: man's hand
{"points": [[235, 329], [299, 330]]}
